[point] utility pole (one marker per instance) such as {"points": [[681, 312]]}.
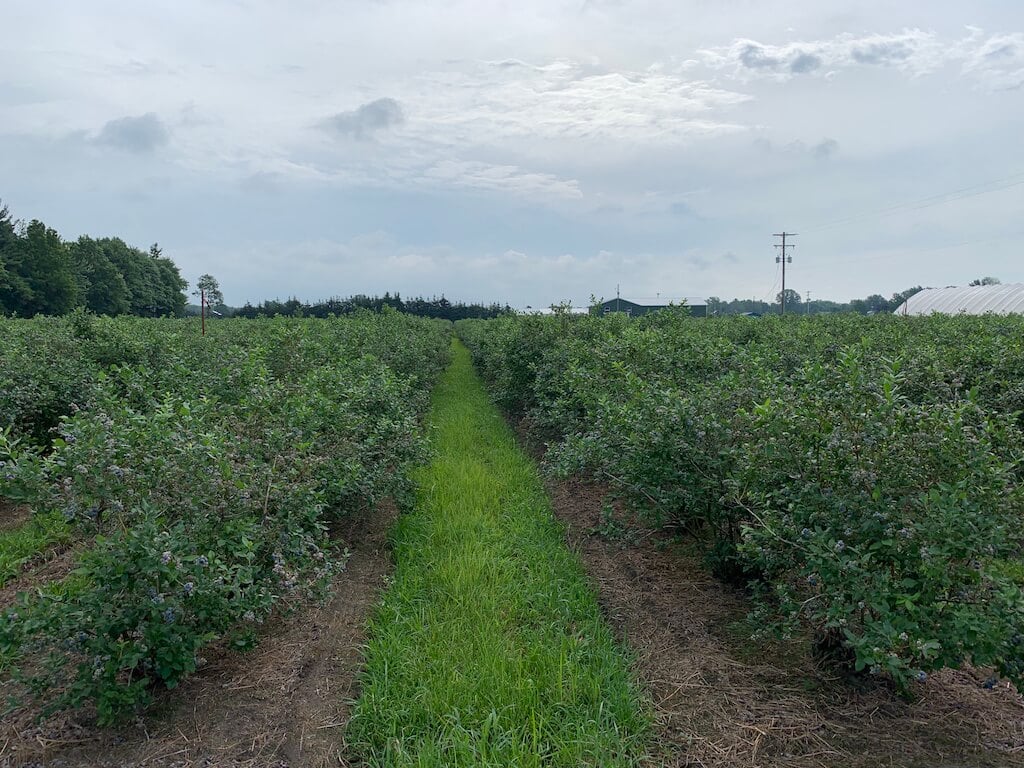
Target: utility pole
{"points": [[783, 259]]}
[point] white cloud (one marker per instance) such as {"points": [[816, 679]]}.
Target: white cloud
{"points": [[507, 179], [569, 101], [996, 61]]}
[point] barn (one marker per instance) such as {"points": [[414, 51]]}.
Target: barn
{"points": [[970, 300], [638, 309]]}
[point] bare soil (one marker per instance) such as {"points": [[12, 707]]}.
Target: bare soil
{"points": [[283, 705], [722, 700], [12, 515]]}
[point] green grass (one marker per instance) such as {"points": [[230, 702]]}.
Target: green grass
{"points": [[18, 545], [489, 648]]}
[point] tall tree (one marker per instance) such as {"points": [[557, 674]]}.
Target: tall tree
{"points": [[14, 292], [172, 288], [138, 273], [102, 288], [793, 299], [208, 285], [42, 262]]}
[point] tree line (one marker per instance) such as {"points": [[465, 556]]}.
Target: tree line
{"points": [[795, 303], [436, 307], [41, 274]]}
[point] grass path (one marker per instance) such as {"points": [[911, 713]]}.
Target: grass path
{"points": [[489, 648], [19, 544]]}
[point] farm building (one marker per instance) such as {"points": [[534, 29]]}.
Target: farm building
{"points": [[636, 309], [970, 300]]}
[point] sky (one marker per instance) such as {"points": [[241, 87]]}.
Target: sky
{"points": [[526, 152]]}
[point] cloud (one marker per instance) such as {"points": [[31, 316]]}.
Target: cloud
{"points": [[143, 134], [998, 62], [825, 149], [883, 51], [804, 63], [367, 120], [703, 262], [822, 150], [380, 261], [508, 179], [912, 50], [568, 100], [755, 56], [995, 62]]}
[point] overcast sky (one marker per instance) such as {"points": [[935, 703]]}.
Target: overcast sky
{"points": [[530, 151]]}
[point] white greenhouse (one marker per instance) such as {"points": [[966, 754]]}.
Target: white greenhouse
{"points": [[970, 300]]}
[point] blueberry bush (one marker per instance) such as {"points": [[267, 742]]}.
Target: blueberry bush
{"points": [[206, 473], [860, 476]]}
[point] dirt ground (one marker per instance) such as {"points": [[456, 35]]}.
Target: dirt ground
{"points": [[722, 701], [12, 515], [283, 705]]}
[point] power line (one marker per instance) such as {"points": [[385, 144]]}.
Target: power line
{"points": [[932, 249], [975, 190], [775, 282]]}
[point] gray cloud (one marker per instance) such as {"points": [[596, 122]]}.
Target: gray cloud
{"points": [[757, 57], [705, 261], [142, 134], [825, 149], [754, 56], [804, 63], [911, 50], [882, 52], [367, 120]]}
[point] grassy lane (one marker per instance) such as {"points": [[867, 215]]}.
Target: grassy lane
{"points": [[19, 544], [489, 648]]}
